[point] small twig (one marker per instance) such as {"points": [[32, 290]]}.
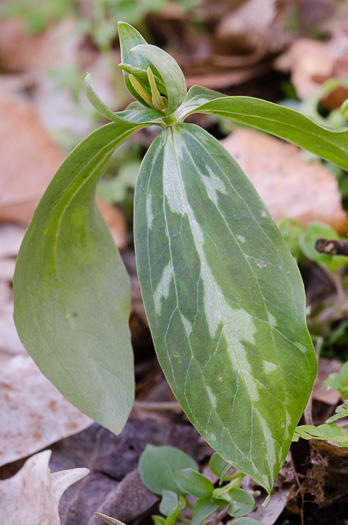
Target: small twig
{"points": [[332, 246], [157, 405]]}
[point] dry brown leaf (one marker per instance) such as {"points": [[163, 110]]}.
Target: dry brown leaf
{"points": [[270, 514], [33, 413], [28, 160], [289, 186], [56, 47], [32, 495], [311, 63], [10, 239], [328, 396], [254, 29]]}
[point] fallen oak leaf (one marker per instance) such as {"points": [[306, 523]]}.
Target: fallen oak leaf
{"points": [[32, 495]]}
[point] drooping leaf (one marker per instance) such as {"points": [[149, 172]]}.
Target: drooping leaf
{"points": [[194, 483], [224, 299], [72, 292], [157, 465], [330, 144]]}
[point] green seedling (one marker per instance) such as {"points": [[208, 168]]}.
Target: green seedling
{"points": [[222, 292]]}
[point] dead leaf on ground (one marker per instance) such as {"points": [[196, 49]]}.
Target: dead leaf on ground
{"points": [[28, 160], [11, 237], [271, 513], [326, 395], [312, 63], [20, 51], [253, 30], [32, 495], [289, 186], [33, 413]]}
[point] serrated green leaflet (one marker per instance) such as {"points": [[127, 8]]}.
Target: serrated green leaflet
{"points": [[224, 299], [330, 144], [72, 293]]}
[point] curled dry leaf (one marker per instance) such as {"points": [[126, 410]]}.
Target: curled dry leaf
{"points": [[32, 495], [289, 186], [33, 413]]}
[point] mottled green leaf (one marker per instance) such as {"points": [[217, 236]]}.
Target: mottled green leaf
{"points": [[330, 144], [224, 299], [72, 292], [157, 465], [194, 483]]}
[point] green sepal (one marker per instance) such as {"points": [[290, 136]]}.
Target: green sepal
{"points": [[172, 77], [71, 290], [130, 37]]}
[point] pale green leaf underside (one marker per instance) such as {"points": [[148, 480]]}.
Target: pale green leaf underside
{"points": [[130, 37], [72, 292], [172, 76], [224, 299], [330, 144]]}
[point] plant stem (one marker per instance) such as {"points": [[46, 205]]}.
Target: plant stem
{"points": [[301, 459], [332, 246], [155, 405]]}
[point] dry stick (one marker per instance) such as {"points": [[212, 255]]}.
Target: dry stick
{"points": [[301, 459], [332, 246]]}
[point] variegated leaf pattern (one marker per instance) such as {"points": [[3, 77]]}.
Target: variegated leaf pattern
{"points": [[224, 299]]}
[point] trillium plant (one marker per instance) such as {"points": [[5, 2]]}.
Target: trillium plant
{"points": [[223, 295]]}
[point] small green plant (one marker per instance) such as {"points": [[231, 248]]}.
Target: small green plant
{"points": [[222, 292], [173, 475]]}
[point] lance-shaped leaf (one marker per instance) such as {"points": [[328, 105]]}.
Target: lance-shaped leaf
{"points": [[224, 299], [72, 292], [129, 37], [330, 144]]}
